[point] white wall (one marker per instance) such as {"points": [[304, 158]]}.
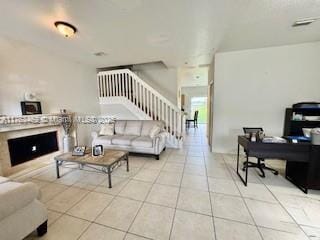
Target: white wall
{"points": [[58, 82], [118, 111], [253, 88], [210, 101], [163, 79]]}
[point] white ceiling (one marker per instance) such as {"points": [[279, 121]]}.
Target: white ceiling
{"points": [[172, 31], [194, 77]]}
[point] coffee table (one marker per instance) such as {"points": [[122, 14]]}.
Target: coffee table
{"points": [[105, 163]]}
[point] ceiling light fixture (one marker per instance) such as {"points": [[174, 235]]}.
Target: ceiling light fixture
{"points": [[66, 29], [304, 22], [100, 54]]}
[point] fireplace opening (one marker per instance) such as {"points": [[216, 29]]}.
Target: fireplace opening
{"points": [[24, 149]]}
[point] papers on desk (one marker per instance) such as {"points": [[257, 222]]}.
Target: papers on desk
{"points": [[274, 140]]}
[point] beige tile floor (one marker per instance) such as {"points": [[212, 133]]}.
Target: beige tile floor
{"points": [[189, 193]]}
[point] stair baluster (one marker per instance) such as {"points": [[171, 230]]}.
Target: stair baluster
{"points": [[126, 84]]}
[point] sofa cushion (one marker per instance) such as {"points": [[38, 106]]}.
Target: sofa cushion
{"points": [[148, 125], [14, 196], [21, 223], [144, 141], [3, 179], [133, 128], [119, 127], [122, 140], [107, 129], [102, 140]]}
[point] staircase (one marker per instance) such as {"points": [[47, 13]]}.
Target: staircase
{"points": [[125, 87]]}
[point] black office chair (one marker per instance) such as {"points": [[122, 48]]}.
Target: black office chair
{"points": [[194, 120], [260, 163]]}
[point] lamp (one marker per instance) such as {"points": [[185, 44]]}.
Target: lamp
{"points": [[66, 29]]}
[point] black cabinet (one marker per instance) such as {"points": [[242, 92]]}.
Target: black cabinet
{"points": [[294, 127], [306, 175]]}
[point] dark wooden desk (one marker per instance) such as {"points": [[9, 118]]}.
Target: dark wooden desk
{"points": [[303, 160]]}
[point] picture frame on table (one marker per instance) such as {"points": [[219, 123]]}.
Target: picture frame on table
{"points": [[97, 150]]}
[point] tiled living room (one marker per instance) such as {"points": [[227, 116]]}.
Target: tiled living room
{"points": [[189, 194]]}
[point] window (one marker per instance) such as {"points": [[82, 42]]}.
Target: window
{"points": [[200, 104]]}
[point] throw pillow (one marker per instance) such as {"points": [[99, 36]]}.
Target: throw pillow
{"points": [[107, 129], [155, 130]]}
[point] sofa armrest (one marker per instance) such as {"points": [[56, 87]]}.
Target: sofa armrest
{"points": [[14, 196], [162, 135], [94, 135], [160, 138]]}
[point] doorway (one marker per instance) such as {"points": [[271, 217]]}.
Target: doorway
{"points": [[195, 99], [199, 104], [194, 96]]}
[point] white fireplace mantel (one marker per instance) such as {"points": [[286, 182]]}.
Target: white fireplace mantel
{"points": [[16, 130], [21, 127]]}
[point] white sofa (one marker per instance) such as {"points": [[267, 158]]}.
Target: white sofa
{"points": [[20, 210], [134, 136]]}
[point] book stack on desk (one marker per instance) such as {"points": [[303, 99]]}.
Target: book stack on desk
{"points": [[274, 140], [298, 138]]}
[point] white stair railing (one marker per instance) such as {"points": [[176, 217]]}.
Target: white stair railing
{"points": [[125, 83]]}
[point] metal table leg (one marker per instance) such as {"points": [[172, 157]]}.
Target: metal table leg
{"points": [[247, 163], [238, 152], [127, 160], [57, 169], [109, 177], [245, 182]]}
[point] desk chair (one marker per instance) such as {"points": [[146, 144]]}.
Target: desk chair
{"points": [[260, 163], [194, 120]]}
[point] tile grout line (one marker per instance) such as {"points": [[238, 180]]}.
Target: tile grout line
{"points": [[211, 202], [180, 187], [67, 214], [93, 190], [254, 221], [278, 202], [176, 206], [156, 204], [144, 201], [287, 212], [248, 209], [114, 197], [117, 195], [89, 191], [231, 220]]}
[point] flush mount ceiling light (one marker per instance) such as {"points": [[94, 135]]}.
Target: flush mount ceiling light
{"points": [[304, 22], [66, 29], [100, 54]]}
